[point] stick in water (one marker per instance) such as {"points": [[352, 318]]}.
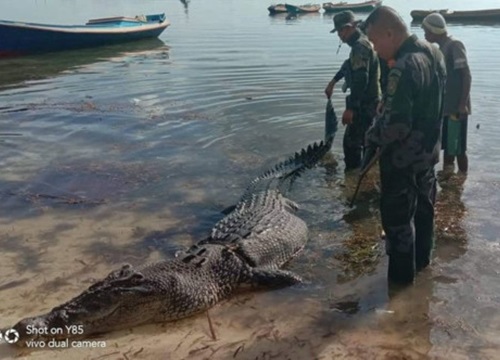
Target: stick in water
{"points": [[362, 175], [212, 332]]}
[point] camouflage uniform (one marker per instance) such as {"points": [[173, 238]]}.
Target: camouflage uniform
{"points": [[384, 73], [408, 133], [362, 75]]}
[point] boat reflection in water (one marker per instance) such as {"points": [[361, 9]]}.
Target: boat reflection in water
{"points": [[15, 72]]}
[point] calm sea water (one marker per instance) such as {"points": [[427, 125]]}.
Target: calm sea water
{"points": [[127, 153]]}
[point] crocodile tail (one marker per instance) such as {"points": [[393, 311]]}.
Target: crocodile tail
{"points": [[308, 158], [286, 171]]}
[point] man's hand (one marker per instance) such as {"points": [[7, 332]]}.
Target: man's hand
{"points": [[329, 89], [347, 117]]}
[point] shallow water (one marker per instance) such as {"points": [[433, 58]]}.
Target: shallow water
{"points": [[128, 153]]}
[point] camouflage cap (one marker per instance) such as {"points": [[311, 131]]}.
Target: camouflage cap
{"points": [[342, 19]]}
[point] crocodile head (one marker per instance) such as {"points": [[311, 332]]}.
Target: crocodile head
{"points": [[123, 299]]}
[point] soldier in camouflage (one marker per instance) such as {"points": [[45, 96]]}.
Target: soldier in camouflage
{"points": [[408, 134], [362, 73]]}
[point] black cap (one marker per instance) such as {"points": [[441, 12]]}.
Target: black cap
{"points": [[342, 19]]}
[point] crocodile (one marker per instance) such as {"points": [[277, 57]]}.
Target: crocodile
{"points": [[247, 247]]}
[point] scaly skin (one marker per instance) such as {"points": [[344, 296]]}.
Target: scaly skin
{"points": [[158, 292], [248, 246]]}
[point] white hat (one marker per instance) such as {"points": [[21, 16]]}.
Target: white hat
{"points": [[435, 23]]}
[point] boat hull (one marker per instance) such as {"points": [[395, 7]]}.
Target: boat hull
{"points": [[293, 9], [360, 7], [277, 9], [27, 38], [492, 15]]}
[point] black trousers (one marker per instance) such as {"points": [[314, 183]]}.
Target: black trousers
{"points": [[407, 211], [354, 137]]}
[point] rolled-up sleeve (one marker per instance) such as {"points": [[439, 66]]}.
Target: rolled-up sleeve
{"points": [[459, 56]]}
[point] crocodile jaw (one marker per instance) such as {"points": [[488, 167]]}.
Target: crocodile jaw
{"points": [[120, 300]]}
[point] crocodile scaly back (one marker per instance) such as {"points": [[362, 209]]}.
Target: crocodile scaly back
{"points": [[263, 227]]}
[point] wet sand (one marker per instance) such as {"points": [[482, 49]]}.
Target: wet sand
{"points": [[338, 314], [128, 157]]}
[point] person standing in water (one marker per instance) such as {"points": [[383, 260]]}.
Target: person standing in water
{"points": [[408, 135], [362, 76], [457, 106]]}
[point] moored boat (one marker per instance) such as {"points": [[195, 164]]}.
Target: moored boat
{"points": [[492, 15], [22, 38], [277, 9], [357, 7], [297, 9]]}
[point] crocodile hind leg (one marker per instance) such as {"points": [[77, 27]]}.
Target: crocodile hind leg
{"points": [[272, 277]]}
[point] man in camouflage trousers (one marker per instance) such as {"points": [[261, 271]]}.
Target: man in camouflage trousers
{"points": [[408, 135], [362, 75]]}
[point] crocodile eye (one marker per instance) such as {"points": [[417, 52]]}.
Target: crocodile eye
{"points": [[137, 277], [125, 269]]}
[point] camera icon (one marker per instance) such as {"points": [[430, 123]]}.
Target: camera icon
{"points": [[10, 336]]}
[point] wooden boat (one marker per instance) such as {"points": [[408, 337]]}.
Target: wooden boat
{"points": [[298, 9], [20, 38], [490, 15], [357, 7], [277, 9]]}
